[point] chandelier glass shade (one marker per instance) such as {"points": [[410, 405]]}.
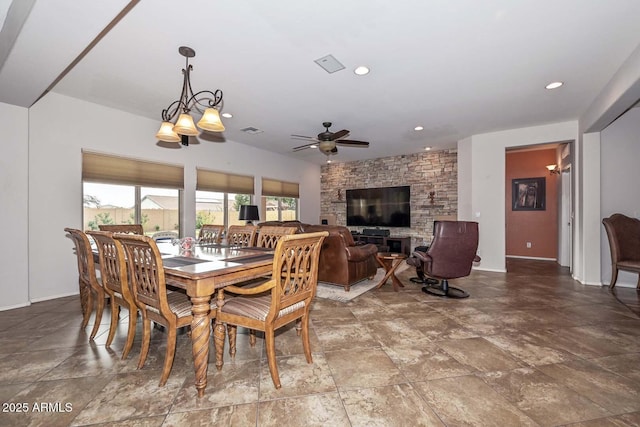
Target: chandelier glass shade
{"points": [[204, 101], [167, 134]]}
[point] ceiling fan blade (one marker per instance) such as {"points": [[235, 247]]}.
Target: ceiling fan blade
{"points": [[340, 134], [353, 143], [303, 147]]}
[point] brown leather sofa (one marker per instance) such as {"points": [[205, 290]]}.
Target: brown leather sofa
{"points": [[342, 261]]}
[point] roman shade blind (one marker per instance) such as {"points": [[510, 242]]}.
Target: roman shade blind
{"points": [[110, 169], [223, 182], [276, 188]]}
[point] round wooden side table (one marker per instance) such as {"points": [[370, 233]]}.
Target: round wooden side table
{"points": [[390, 261]]}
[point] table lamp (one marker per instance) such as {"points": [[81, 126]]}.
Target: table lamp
{"points": [[249, 213]]}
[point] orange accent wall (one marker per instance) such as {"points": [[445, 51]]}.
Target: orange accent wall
{"points": [[538, 227]]}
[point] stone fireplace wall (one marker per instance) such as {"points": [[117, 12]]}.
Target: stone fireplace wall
{"points": [[425, 172]]}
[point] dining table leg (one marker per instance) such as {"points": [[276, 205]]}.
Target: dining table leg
{"points": [[200, 331], [218, 336]]}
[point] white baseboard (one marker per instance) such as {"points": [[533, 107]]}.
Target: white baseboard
{"points": [[47, 298], [11, 307], [493, 270], [592, 283], [532, 257], [620, 284]]}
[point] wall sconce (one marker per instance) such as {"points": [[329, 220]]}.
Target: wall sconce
{"points": [[553, 169], [432, 195]]}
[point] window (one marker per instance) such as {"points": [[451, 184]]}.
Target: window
{"points": [[280, 200], [219, 208], [118, 190], [280, 208], [107, 204], [157, 209], [219, 196]]}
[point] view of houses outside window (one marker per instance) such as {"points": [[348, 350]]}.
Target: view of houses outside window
{"points": [[210, 208], [157, 209], [280, 208]]}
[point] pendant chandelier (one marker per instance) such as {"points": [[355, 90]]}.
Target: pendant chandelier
{"points": [[183, 127]]}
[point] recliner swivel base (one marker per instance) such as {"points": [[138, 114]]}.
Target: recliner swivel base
{"points": [[440, 288], [449, 292]]}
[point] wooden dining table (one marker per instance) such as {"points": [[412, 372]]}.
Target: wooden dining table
{"points": [[200, 272]]}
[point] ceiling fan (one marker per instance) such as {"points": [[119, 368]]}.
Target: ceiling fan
{"points": [[326, 141]]}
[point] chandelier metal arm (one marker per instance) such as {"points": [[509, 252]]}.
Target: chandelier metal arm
{"points": [[214, 98], [188, 100], [170, 112]]}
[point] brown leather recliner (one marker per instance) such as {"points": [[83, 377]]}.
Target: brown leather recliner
{"points": [[342, 261], [623, 233], [451, 255]]}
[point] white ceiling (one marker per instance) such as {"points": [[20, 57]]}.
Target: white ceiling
{"points": [[456, 67]]}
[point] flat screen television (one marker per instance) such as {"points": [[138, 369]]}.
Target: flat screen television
{"points": [[379, 207]]}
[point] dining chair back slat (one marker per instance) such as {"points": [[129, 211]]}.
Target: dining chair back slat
{"points": [[122, 228], [211, 234], [241, 235], [268, 236]]}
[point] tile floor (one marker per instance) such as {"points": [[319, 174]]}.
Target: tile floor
{"points": [[529, 348]]}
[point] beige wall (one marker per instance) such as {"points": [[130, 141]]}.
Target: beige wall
{"points": [[14, 209]]}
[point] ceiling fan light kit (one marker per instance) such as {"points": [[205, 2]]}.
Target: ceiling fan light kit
{"points": [[326, 141], [204, 100], [327, 146]]}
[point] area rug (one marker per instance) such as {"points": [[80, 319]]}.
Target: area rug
{"points": [[337, 293]]}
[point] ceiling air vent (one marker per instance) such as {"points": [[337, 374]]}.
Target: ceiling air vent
{"points": [[252, 130], [330, 64]]}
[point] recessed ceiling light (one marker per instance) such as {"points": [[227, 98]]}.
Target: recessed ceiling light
{"points": [[328, 161], [417, 128], [554, 85], [227, 115], [427, 148], [313, 146], [361, 70]]}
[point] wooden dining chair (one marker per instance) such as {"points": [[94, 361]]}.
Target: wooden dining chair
{"points": [[122, 228], [114, 276], [284, 298], [91, 291], [211, 234], [170, 309], [241, 235], [268, 236]]}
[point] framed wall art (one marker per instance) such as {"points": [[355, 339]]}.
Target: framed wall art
{"points": [[528, 194]]}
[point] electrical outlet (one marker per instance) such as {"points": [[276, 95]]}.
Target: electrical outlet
{"points": [[528, 245]]}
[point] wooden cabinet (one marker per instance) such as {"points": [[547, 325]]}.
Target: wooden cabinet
{"points": [[396, 244]]}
